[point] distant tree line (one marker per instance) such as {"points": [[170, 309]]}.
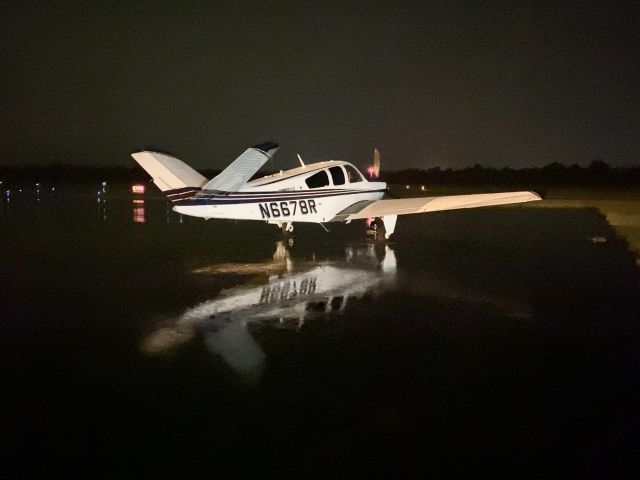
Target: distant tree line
{"points": [[65, 173], [597, 172]]}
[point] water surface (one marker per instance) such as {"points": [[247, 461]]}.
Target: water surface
{"points": [[136, 341]]}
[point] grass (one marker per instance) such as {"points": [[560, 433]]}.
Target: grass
{"points": [[621, 207]]}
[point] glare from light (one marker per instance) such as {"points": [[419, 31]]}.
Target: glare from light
{"points": [[138, 215]]}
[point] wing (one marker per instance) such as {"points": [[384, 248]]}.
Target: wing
{"points": [[404, 206], [242, 168]]}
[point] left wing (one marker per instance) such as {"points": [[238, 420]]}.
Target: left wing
{"points": [[242, 168], [404, 206]]}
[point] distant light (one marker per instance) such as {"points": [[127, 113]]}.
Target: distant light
{"points": [[422, 188], [137, 189], [138, 215], [370, 171], [138, 202], [104, 184], [407, 187], [53, 189]]}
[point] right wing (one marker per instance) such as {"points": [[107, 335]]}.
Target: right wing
{"points": [[242, 168], [404, 206]]}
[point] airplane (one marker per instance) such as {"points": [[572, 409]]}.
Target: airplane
{"points": [[323, 192]]}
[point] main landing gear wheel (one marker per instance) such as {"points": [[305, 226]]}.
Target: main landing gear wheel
{"points": [[287, 227], [382, 228], [376, 229]]}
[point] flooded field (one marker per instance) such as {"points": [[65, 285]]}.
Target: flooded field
{"points": [[497, 340], [621, 208]]}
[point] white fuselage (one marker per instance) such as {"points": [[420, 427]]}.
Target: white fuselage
{"points": [[312, 193]]}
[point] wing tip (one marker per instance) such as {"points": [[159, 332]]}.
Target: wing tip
{"points": [[535, 194], [268, 147]]}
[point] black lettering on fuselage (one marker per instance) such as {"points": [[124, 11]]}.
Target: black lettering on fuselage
{"points": [[264, 211], [274, 209], [287, 208]]}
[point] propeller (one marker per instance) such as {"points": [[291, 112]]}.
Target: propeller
{"points": [[374, 172], [376, 163]]}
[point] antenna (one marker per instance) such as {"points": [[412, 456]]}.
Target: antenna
{"points": [[301, 161]]}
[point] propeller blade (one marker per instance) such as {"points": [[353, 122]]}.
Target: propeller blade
{"points": [[376, 163]]}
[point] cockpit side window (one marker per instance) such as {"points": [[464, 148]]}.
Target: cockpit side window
{"points": [[337, 175], [317, 180], [352, 174]]}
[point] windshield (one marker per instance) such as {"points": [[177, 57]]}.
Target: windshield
{"points": [[352, 174]]}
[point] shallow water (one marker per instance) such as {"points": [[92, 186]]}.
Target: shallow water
{"points": [[134, 340], [623, 214]]}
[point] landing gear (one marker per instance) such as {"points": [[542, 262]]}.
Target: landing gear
{"points": [[287, 227], [372, 228], [381, 228]]}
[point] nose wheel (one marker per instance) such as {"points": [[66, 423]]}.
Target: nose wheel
{"points": [[382, 227]]}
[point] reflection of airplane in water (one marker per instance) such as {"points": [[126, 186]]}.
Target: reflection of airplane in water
{"points": [[295, 292]]}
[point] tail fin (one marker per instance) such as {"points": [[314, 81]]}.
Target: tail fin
{"points": [[174, 177], [242, 168]]}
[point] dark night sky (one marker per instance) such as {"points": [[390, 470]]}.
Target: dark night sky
{"points": [[502, 84]]}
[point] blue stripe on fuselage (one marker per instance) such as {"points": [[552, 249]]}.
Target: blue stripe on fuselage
{"points": [[258, 198], [177, 191], [272, 194]]}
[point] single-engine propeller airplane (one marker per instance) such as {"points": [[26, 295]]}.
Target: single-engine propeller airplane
{"points": [[329, 191]]}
